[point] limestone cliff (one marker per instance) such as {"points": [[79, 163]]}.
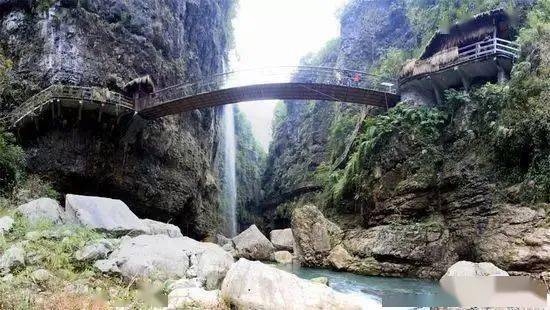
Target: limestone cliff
{"points": [[169, 171]]}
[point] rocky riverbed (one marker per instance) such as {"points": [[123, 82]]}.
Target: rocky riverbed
{"points": [[94, 252]]}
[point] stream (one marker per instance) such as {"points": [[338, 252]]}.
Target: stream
{"points": [[392, 292]]}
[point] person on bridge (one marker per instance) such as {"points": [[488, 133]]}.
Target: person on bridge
{"points": [[356, 79]]}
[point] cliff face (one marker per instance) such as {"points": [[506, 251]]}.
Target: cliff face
{"points": [[316, 133], [422, 187], [169, 172]]}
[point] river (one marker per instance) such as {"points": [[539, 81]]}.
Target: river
{"points": [[394, 292]]}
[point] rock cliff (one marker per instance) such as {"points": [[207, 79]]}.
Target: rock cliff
{"points": [[169, 171]]}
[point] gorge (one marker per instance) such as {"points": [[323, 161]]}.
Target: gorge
{"points": [[408, 191]]}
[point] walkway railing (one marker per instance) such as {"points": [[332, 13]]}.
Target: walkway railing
{"points": [[271, 75], [67, 94], [488, 47]]}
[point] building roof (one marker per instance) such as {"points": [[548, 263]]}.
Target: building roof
{"points": [[473, 29]]}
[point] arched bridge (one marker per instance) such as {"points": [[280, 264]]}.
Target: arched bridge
{"points": [[284, 83]]}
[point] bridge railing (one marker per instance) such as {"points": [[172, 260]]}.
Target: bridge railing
{"points": [[271, 75]]}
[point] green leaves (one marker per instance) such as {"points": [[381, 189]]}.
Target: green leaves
{"points": [[12, 163]]}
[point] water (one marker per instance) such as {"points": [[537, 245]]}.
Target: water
{"points": [[229, 168], [372, 291]]}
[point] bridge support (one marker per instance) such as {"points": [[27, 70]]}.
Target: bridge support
{"points": [[436, 90], [463, 78], [502, 76]]}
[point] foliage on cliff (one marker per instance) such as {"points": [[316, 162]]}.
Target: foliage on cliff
{"points": [[250, 162], [12, 163]]}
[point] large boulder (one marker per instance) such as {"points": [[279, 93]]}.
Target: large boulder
{"points": [[97, 250], [6, 224], [42, 209], [254, 285], [162, 257], [282, 239], [104, 214], [314, 236], [160, 228], [469, 269], [252, 244], [283, 257]]}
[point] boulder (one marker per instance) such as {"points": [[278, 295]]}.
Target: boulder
{"points": [[314, 236], [282, 239], [222, 240], [6, 224], [104, 214], [13, 257], [469, 269], [42, 209], [98, 250], [252, 244], [254, 285], [213, 264], [340, 258], [162, 257], [160, 228], [195, 298], [283, 257]]}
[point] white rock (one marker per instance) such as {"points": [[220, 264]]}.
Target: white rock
{"points": [[13, 257], [282, 239], [469, 269], [195, 298], [213, 265], [42, 209], [41, 275], [104, 214], [107, 266], [320, 280], [98, 250], [283, 257], [184, 283], [6, 224], [254, 285], [160, 228], [252, 244]]}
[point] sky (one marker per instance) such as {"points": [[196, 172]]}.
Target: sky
{"points": [[278, 33]]}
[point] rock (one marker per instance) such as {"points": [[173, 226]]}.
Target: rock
{"points": [[222, 240], [162, 257], [283, 257], [314, 236], [282, 239], [339, 257], [184, 283], [41, 276], [6, 224], [107, 266], [13, 257], [159, 228], [252, 244], [469, 269], [213, 264], [321, 280], [42, 209], [98, 250], [195, 298], [254, 285], [104, 214]]}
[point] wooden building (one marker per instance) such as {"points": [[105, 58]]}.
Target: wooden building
{"points": [[477, 50]]}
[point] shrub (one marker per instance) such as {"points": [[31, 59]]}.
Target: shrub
{"points": [[12, 163]]}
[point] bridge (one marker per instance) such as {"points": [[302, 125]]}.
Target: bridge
{"points": [[283, 83]]}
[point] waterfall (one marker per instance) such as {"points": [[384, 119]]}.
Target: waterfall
{"points": [[229, 173]]}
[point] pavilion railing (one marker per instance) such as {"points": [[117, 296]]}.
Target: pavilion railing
{"points": [[270, 75], [488, 47]]}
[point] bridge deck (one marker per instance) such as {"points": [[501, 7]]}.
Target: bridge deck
{"points": [[281, 91]]}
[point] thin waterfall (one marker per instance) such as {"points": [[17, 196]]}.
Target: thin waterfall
{"points": [[229, 168]]}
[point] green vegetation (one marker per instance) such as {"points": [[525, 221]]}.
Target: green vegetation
{"points": [[12, 163], [391, 63]]}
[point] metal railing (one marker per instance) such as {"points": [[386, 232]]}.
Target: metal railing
{"points": [[270, 75], [488, 47], [66, 93]]}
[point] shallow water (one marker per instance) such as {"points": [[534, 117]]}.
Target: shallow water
{"points": [[375, 291]]}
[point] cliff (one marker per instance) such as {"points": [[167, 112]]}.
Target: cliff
{"points": [[169, 171]]}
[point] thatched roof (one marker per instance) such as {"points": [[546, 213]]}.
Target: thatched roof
{"points": [[144, 83], [473, 29], [432, 64]]}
